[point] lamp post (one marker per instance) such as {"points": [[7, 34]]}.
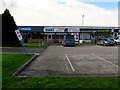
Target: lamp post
{"points": [[82, 26], [82, 20]]}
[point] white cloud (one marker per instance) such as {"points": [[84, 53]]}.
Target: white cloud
{"points": [[59, 12]]}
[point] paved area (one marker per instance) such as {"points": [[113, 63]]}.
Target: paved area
{"points": [[92, 60]]}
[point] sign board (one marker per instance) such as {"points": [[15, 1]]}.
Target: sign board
{"points": [[102, 31], [61, 30], [18, 35], [20, 39], [75, 30], [26, 29], [49, 30]]}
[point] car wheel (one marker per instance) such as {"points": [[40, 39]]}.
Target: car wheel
{"points": [[103, 44], [115, 43]]}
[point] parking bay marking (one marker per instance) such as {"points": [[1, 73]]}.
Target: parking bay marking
{"points": [[70, 62], [105, 60]]}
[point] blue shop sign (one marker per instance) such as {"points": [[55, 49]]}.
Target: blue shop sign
{"points": [[26, 29]]}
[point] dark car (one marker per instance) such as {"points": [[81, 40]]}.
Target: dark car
{"points": [[105, 41]]}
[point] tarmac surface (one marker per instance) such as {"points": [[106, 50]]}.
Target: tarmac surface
{"points": [[86, 60]]}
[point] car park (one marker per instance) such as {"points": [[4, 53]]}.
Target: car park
{"points": [[105, 41]]}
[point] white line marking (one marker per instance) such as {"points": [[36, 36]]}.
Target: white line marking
{"points": [[105, 60], [70, 63], [68, 70]]}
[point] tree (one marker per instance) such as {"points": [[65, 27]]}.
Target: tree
{"points": [[9, 26]]}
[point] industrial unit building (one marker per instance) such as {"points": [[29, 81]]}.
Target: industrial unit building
{"points": [[58, 32]]}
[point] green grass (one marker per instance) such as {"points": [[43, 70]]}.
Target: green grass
{"points": [[34, 45], [60, 82], [12, 62]]}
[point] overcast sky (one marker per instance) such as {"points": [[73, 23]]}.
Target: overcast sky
{"points": [[62, 12]]}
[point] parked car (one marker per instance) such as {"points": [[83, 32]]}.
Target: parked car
{"points": [[105, 41], [68, 40], [117, 41]]}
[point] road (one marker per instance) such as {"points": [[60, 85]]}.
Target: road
{"points": [[92, 60]]}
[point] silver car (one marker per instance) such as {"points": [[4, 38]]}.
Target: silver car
{"points": [[105, 41]]}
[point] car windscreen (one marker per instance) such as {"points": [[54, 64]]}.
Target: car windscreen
{"points": [[108, 39], [69, 36], [105, 39]]}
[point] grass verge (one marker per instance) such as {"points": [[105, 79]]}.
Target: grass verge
{"points": [[12, 62], [34, 45]]}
